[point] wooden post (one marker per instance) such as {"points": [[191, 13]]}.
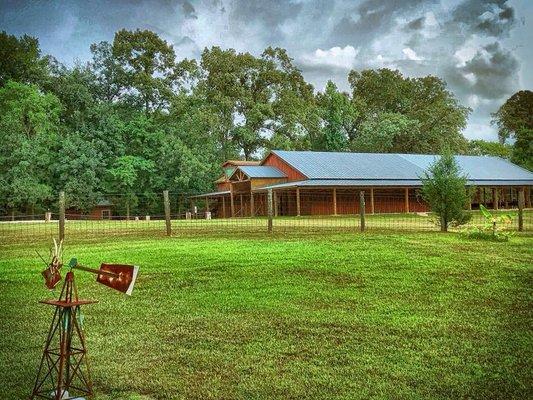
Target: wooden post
{"points": [[275, 204], [61, 215], [252, 211], [298, 202], [521, 203], [495, 198], [406, 200], [206, 204], [372, 200], [270, 201], [166, 203], [232, 203], [241, 206], [334, 201], [362, 209], [528, 197], [223, 206]]}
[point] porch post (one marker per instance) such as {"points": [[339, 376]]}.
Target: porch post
{"points": [[406, 200], [223, 206], [495, 198], [206, 203], [372, 200], [334, 201], [298, 201], [251, 203], [232, 202]]}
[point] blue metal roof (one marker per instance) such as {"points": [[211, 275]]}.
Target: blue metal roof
{"points": [[347, 183], [368, 166], [261, 171]]}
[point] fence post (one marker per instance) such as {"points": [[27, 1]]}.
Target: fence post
{"points": [[362, 209], [61, 215], [166, 202], [521, 203], [270, 207]]}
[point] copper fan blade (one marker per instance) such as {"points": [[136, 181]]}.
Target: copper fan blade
{"points": [[127, 274]]}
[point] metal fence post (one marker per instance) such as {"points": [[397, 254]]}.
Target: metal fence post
{"points": [[362, 209], [61, 215], [521, 202], [270, 211], [166, 202]]}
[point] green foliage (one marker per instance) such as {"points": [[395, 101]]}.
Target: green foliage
{"points": [[84, 129], [20, 59], [444, 188], [484, 148], [493, 228], [423, 105], [29, 122], [515, 121]]}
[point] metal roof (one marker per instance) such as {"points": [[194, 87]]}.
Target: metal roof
{"points": [[377, 183], [263, 171], [332, 165]]}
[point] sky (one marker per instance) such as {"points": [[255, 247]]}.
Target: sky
{"points": [[481, 48]]}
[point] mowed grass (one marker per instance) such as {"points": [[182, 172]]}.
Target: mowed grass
{"points": [[403, 316]]}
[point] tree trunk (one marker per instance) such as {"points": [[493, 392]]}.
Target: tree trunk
{"points": [[443, 225], [128, 210]]}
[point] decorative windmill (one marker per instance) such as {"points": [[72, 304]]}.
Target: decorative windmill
{"points": [[64, 369]]}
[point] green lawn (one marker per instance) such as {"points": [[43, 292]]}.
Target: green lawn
{"points": [[407, 315]]}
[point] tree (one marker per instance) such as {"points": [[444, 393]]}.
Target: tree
{"points": [[425, 101], [20, 60], [515, 114], [388, 133], [128, 174], [144, 68], [338, 118], [515, 121], [29, 122], [444, 188], [484, 148]]}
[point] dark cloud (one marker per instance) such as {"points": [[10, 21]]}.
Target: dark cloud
{"points": [[494, 70], [492, 17], [416, 24]]}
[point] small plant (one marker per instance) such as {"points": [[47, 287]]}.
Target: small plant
{"points": [[493, 228]]}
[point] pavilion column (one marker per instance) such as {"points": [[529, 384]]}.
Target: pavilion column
{"points": [[223, 206], [495, 198], [232, 201], [372, 200], [252, 212], [298, 202], [406, 200], [334, 201], [206, 204]]}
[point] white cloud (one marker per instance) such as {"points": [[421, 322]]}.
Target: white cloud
{"points": [[340, 57], [410, 54]]}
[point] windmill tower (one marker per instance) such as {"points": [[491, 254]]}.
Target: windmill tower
{"points": [[64, 371]]}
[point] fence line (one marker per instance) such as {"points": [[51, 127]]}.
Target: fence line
{"points": [[349, 213]]}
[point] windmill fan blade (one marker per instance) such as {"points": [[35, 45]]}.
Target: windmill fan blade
{"points": [[127, 274]]}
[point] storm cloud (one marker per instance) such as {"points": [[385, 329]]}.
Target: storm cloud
{"points": [[480, 47]]}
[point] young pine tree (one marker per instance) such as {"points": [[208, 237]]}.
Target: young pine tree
{"points": [[444, 188]]}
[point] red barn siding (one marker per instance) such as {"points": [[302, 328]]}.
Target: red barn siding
{"points": [[292, 174]]}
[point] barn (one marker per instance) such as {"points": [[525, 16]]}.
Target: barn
{"points": [[329, 183]]}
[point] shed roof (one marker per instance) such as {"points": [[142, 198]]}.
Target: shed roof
{"points": [[261, 171], [365, 166]]}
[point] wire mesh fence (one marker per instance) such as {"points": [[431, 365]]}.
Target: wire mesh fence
{"points": [[190, 215]]}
